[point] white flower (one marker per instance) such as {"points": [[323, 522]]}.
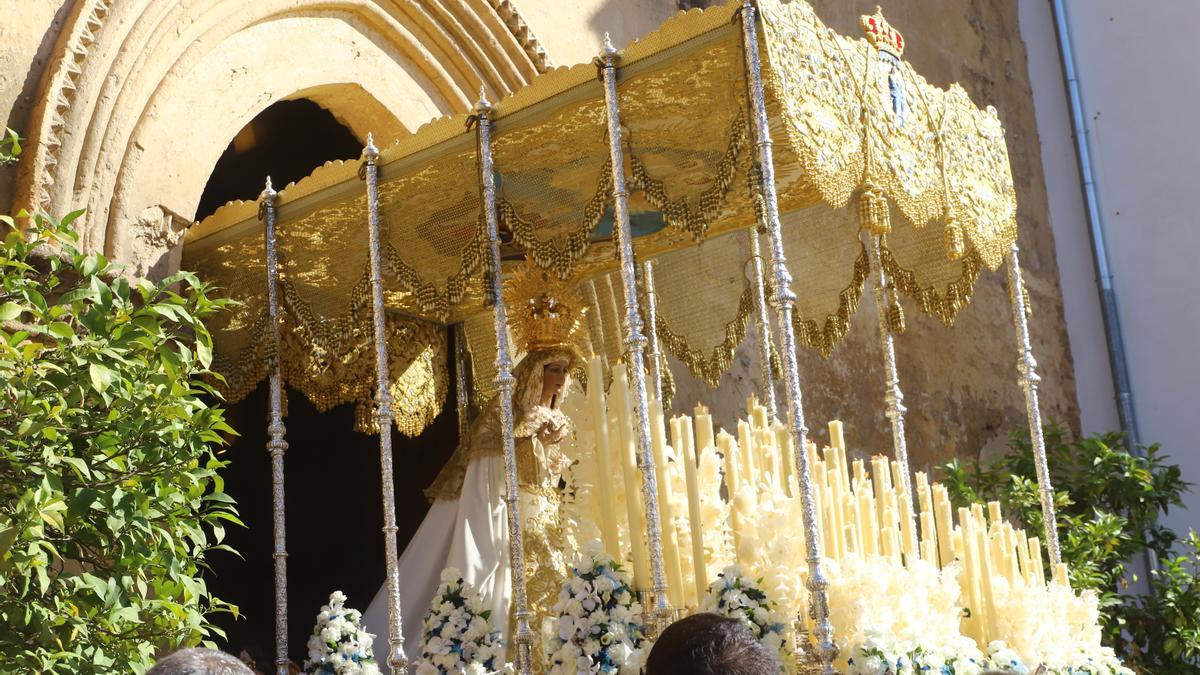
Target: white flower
{"points": [[458, 637], [338, 643]]}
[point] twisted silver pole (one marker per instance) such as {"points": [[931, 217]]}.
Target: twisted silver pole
{"points": [[893, 396], [276, 445], [762, 323], [635, 340], [784, 302], [504, 386], [1027, 367], [462, 382], [656, 356], [396, 659]]}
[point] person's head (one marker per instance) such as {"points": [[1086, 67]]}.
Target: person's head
{"points": [[542, 378], [708, 644], [199, 662]]}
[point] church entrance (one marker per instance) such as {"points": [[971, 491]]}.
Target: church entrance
{"points": [[333, 491]]}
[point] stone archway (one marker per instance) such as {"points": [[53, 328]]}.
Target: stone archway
{"points": [[146, 94]]}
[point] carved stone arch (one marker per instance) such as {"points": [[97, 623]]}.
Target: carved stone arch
{"points": [[144, 95]]}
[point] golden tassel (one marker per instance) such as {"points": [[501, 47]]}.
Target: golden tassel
{"points": [[895, 313], [956, 244], [873, 212]]}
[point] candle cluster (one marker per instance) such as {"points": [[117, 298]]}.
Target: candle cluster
{"points": [[734, 499]]}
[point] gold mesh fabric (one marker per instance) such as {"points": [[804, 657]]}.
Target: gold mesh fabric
{"points": [[829, 265]]}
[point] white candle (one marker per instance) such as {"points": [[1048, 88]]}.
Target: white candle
{"points": [[749, 471], [633, 496], [691, 460], [704, 429], [783, 440], [602, 487], [666, 506], [726, 446]]}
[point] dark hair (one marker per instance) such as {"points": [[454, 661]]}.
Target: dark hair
{"points": [[199, 662], [708, 644]]}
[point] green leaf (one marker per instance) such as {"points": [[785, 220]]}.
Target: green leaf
{"points": [[9, 311], [62, 330], [101, 376]]}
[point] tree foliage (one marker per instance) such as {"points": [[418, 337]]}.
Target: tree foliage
{"points": [[110, 497], [1109, 504]]}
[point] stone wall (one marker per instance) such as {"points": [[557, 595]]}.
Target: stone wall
{"points": [[143, 152]]}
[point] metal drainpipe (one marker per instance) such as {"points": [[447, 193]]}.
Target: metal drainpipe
{"points": [[1108, 298]]}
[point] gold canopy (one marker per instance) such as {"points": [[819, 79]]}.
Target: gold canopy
{"points": [[937, 163]]}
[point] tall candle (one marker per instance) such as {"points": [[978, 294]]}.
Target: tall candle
{"points": [[704, 429], [1061, 576], [836, 504], [666, 506], [866, 523], [691, 460], [943, 516], [1023, 556], [633, 498], [603, 488], [972, 572], [837, 437], [1035, 558], [783, 439], [749, 471], [928, 538], [986, 571], [725, 445]]}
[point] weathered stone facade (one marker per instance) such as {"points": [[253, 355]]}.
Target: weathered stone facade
{"points": [[129, 104]]}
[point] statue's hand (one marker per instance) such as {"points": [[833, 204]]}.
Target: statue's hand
{"points": [[549, 434]]}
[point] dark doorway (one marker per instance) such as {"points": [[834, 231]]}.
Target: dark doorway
{"points": [[286, 142]]}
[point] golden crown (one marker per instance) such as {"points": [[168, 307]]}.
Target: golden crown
{"points": [[545, 312], [880, 33]]}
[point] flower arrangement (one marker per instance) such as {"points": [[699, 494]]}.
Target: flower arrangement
{"points": [[1053, 625], [338, 646], [882, 654], [1072, 660], [737, 596], [458, 632], [598, 625]]}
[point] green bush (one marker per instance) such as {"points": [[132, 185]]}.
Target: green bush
{"points": [[110, 497], [1109, 504]]}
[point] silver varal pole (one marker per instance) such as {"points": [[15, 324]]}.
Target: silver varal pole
{"points": [[762, 323], [656, 356], [504, 387], [462, 382], [635, 340], [396, 659], [893, 396], [1027, 368], [276, 445], [784, 302]]}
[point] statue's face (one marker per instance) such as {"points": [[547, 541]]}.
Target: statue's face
{"points": [[553, 378]]}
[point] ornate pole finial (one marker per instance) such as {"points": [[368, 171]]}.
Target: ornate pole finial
{"points": [[608, 50], [269, 192], [483, 105], [370, 152]]}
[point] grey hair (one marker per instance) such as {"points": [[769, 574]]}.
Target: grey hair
{"points": [[199, 662]]}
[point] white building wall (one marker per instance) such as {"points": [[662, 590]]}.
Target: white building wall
{"points": [[1141, 98]]}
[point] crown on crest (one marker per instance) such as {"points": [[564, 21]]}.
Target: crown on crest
{"points": [[545, 312], [880, 33]]}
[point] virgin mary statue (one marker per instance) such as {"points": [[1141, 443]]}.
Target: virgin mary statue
{"points": [[466, 526]]}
